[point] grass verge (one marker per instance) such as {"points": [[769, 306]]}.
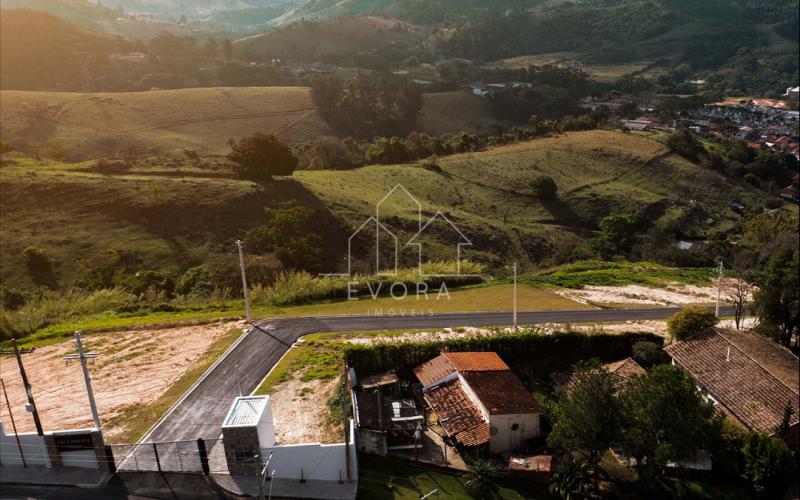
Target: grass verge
{"points": [[139, 418], [383, 478]]}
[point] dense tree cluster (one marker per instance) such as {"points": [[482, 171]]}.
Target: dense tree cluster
{"points": [[368, 105]]}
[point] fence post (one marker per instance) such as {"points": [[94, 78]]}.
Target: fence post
{"points": [[201, 447], [111, 464], [155, 452]]}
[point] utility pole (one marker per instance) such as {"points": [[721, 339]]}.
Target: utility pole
{"points": [[261, 471], [13, 425], [515, 295], [86, 378], [239, 245], [719, 289], [28, 391]]}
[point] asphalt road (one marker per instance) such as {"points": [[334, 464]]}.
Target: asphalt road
{"points": [[202, 409]]}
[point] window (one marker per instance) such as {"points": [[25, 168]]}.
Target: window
{"points": [[243, 456], [514, 427]]}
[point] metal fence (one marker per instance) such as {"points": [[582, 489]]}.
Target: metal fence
{"points": [[199, 456]]}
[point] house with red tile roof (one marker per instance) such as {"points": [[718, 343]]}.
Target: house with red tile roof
{"points": [[479, 401], [750, 378]]}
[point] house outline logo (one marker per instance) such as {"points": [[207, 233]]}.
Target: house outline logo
{"points": [[380, 227]]}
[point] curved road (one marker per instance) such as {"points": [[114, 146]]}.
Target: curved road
{"points": [[199, 413]]}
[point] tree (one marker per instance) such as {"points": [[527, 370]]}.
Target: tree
{"points": [[767, 464], [665, 418], [227, 50], [586, 416], [647, 354], [481, 480], [368, 105], [777, 300], [261, 156], [39, 266], [544, 187], [739, 291], [617, 235], [689, 321], [291, 234]]}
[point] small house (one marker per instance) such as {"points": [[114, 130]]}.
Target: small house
{"points": [[479, 401]]}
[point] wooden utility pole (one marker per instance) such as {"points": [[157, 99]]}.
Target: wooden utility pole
{"points": [[28, 391], [13, 425]]}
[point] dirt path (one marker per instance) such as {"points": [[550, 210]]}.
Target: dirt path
{"points": [[134, 367], [642, 295]]}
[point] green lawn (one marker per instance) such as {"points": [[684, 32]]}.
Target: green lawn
{"points": [[382, 478]]}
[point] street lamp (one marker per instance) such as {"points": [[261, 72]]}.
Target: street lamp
{"points": [[514, 271]]}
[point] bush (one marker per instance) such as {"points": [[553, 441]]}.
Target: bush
{"points": [[648, 354], [40, 269], [552, 352], [767, 464], [195, 281], [261, 156], [692, 320], [544, 187]]}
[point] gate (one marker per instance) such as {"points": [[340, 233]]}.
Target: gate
{"points": [[170, 456]]}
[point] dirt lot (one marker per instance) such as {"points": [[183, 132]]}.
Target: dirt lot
{"points": [[133, 367], [642, 295], [300, 412]]}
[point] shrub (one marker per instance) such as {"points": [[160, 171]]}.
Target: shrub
{"points": [[261, 156], [648, 354], [196, 280], [767, 464], [692, 320], [544, 187], [40, 269]]}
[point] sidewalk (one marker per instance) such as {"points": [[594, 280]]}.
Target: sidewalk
{"points": [[287, 488], [56, 476]]}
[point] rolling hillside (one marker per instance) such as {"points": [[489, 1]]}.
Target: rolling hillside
{"points": [[104, 124], [174, 215]]}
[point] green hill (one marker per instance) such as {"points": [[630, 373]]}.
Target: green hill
{"points": [[174, 215]]}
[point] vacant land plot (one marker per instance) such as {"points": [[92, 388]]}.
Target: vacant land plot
{"points": [[136, 377]]}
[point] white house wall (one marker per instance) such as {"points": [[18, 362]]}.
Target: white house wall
{"points": [[314, 461], [504, 439]]}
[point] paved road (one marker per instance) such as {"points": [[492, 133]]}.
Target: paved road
{"points": [[202, 409]]}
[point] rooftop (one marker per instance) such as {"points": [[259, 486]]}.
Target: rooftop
{"points": [[751, 377], [502, 393], [246, 411], [449, 362], [458, 415]]}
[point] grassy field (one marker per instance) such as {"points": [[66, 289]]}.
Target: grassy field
{"points": [[174, 215], [203, 119], [618, 274], [600, 72]]}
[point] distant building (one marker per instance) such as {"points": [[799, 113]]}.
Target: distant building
{"points": [[479, 401], [637, 124], [749, 378]]}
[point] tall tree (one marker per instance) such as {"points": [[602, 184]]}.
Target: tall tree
{"points": [[665, 418], [777, 300], [586, 416]]}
